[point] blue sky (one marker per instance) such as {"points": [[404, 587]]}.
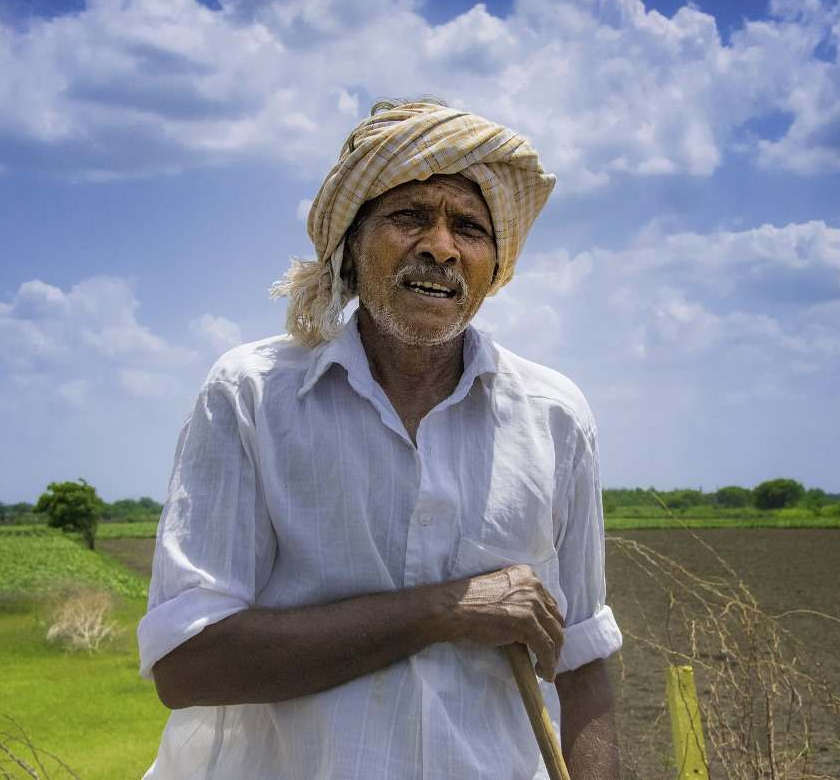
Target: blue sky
{"points": [[157, 156]]}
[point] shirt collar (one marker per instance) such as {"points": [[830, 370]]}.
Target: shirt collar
{"points": [[348, 351]]}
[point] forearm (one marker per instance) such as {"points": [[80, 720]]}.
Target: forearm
{"points": [[266, 655], [588, 732]]}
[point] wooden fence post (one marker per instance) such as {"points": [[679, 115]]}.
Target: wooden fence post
{"points": [[686, 728]]}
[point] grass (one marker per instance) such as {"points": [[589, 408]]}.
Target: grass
{"points": [[621, 518], [663, 521], [94, 711], [38, 563], [143, 530]]}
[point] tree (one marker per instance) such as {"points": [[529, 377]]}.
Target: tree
{"points": [[733, 496], [72, 506], [777, 493], [682, 499], [815, 500], [150, 505]]}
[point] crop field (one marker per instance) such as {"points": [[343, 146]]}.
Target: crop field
{"points": [[45, 560], [95, 712]]}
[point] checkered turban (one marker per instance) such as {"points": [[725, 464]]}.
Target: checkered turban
{"points": [[411, 142]]}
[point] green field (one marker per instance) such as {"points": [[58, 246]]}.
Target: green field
{"points": [[674, 522], [45, 561], [142, 530], [94, 711]]}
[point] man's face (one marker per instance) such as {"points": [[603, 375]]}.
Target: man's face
{"points": [[425, 257]]}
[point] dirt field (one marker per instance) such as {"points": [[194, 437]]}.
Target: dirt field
{"points": [[783, 570], [136, 554]]}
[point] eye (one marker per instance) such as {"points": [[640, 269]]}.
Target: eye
{"points": [[470, 227], [408, 217]]}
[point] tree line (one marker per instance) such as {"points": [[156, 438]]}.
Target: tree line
{"points": [[772, 494], [76, 507]]}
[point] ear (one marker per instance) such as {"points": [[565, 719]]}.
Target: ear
{"points": [[348, 263]]}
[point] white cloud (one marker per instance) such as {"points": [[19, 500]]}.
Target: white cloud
{"points": [[713, 355], [75, 392], [37, 300], [220, 332], [603, 89], [348, 104], [147, 384], [70, 336], [680, 299], [46, 326], [302, 210]]}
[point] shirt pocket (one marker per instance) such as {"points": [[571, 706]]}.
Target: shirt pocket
{"points": [[475, 557]]}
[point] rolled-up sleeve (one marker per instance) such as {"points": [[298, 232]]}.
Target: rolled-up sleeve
{"points": [[591, 630], [215, 543]]}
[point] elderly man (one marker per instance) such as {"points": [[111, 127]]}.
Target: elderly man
{"points": [[360, 517]]}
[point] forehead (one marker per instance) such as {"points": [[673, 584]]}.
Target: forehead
{"points": [[454, 187]]}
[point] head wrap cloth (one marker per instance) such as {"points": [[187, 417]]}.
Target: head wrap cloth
{"points": [[412, 142]]}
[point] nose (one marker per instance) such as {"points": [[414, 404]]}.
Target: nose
{"points": [[437, 244]]}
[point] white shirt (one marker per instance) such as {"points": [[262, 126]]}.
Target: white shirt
{"points": [[295, 483]]}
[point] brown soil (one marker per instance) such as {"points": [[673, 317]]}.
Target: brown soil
{"points": [[784, 570], [135, 554]]}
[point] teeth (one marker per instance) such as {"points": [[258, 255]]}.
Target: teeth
{"points": [[426, 288], [421, 291]]}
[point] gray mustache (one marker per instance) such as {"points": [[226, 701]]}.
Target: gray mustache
{"points": [[432, 271]]}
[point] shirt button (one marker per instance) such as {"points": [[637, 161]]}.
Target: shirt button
{"points": [[424, 519]]}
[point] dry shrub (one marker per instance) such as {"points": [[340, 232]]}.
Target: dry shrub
{"points": [[20, 759], [768, 708], [80, 620]]}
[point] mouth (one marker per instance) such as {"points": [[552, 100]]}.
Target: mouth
{"points": [[430, 289]]}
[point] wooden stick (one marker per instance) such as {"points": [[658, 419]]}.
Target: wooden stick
{"points": [[531, 694]]}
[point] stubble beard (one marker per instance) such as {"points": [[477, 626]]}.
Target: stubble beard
{"points": [[375, 299]]}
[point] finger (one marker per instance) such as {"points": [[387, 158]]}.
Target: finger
{"points": [[543, 646], [554, 628], [552, 604]]}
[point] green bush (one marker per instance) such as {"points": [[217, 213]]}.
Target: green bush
{"points": [[682, 499], [733, 497], [778, 494], [794, 513], [129, 510]]}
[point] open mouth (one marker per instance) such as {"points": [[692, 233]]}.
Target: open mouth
{"points": [[432, 289]]}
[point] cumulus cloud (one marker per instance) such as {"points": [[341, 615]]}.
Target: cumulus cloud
{"points": [[702, 354], [302, 210], [68, 337], [682, 299], [147, 384], [75, 392], [219, 332], [603, 88]]}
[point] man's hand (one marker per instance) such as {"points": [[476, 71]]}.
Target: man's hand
{"points": [[507, 606], [261, 655]]}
